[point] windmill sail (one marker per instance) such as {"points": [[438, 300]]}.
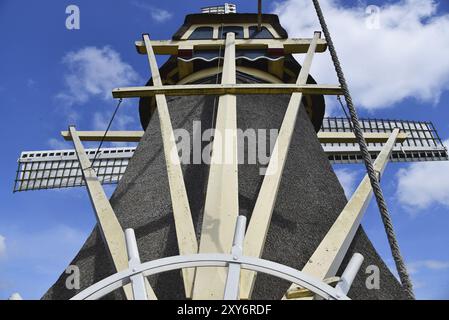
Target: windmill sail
{"points": [[60, 168]]}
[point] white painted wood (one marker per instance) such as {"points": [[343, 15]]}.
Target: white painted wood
{"points": [[323, 137], [170, 47], [222, 89], [109, 226], [115, 136], [327, 258], [221, 205], [349, 137], [185, 231], [261, 218]]}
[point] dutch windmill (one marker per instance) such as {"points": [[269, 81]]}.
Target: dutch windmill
{"points": [[175, 230]]}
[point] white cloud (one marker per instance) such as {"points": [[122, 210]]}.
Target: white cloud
{"points": [[405, 57], [422, 185], [2, 246], [158, 14], [348, 180], [94, 72], [59, 144], [433, 265], [121, 122]]}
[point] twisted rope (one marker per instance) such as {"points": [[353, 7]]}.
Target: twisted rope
{"points": [[386, 218]]}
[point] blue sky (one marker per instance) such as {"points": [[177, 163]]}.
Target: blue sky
{"points": [[397, 71]]}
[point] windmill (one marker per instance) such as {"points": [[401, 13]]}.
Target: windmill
{"points": [[230, 230]]}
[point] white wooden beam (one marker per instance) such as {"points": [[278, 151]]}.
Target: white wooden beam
{"points": [[221, 205], [261, 218], [222, 89], [110, 228], [111, 136], [185, 231], [171, 47], [327, 258], [323, 137], [349, 137]]}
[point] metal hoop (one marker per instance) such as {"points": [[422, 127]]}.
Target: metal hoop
{"points": [[118, 280]]}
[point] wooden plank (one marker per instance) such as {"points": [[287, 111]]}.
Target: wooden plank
{"points": [[349, 137], [111, 136], [221, 205], [185, 231], [327, 258], [323, 137], [222, 89], [110, 228], [165, 47], [261, 217], [299, 293]]}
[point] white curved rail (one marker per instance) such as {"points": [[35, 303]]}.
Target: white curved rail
{"points": [[118, 280], [234, 262]]}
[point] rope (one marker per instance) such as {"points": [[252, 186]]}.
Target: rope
{"points": [[346, 114], [106, 132], [400, 265]]}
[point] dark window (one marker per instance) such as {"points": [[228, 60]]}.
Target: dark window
{"points": [[202, 33], [235, 29], [262, 34]]}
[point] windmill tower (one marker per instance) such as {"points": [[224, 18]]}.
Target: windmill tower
{"points": [[216, 229]]}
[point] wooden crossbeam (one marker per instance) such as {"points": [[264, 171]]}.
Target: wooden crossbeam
{"points": [[261, 217], [185, 231], [221, 206], [171, 47], [222, 89], [323, 137], [349, 137], [109, 226], [327, 258], [111, 136]]}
